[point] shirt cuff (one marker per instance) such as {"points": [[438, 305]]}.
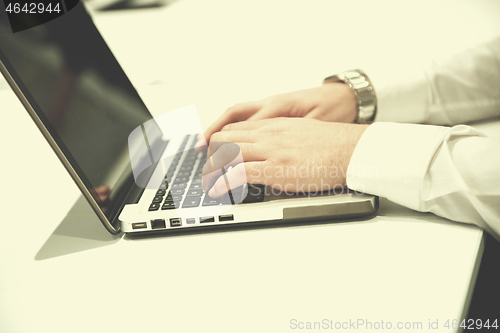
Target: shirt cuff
{"points": [[391, 160], [403, 95]]}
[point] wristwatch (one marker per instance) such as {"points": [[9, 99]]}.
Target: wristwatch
{"points": [[363, 89]]}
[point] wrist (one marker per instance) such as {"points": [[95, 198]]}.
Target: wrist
{"points": [[346, 140], [343, 105], [362, 87], [355, 133]]}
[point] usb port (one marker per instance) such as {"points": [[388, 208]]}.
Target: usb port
{"points": [[207, 219], [175, 222], [228, 217], [139, 225]]}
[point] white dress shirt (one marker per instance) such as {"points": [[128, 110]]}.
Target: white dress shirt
{"points": [[453, 172]]}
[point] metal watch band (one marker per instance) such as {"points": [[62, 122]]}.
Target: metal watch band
{"points": [[363, 89]]}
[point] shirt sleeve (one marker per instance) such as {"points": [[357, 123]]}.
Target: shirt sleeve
{"points": [[451, 172], [458, 90]]}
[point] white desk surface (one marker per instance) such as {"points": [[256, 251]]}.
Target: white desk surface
{"points": [[60, 271]]}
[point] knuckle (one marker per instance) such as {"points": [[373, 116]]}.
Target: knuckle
{"points": [[227, 127], [232, 108], [216, 137], [236, 108]]}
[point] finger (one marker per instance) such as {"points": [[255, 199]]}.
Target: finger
{"points": [[227, 156], [248, 126], [232, 179], [201, 144], [314, 113], [323, 114], [212, 169], [252, 152], [249, 172], [235, 136], [266, 112], [239, 112]]}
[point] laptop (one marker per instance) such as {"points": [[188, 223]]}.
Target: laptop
{"points": [[137, 176]]}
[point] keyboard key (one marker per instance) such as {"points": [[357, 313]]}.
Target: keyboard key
{"points": [[253, 198], [168, 205], [191, 202], [237, 190], [195, 187], [186, 168], [177, 191], [196, 181], [226, 200], [255, 194], [180, 180], [191, 156], [157, 199], [169, 198], [210, 202], [154, 206], [174, 164], [194, 193], [161, 192], [190, 160], [177, 198], [178, 186], [184, 174]]}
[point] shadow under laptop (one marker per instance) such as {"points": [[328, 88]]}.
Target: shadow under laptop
{"points": [[80, 230]]}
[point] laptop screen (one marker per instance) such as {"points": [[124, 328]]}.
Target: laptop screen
{"points": [[82, 96]]}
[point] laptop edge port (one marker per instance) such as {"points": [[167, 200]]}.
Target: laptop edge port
{"points": [[224, 218], [175, 222], [207, 219], [139, 225], [158, 224]]}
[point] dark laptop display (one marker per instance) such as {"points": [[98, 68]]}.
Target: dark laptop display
{"points": [[75, 86]]}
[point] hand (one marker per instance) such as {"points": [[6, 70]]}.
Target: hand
{"points": [[329, 102], [289, 154]]}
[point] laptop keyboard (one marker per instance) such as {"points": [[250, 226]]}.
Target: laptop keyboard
{"points": [[181, 187]]}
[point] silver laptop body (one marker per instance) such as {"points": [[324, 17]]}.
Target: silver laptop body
{"points": [[81, 100]]}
